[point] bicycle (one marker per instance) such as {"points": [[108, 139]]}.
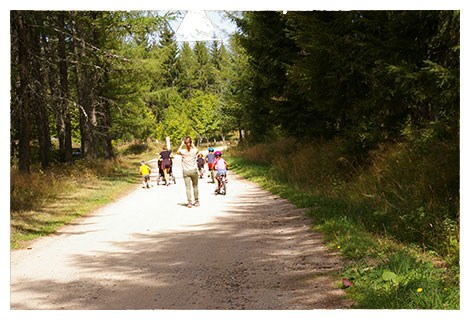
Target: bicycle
{"points": [[221, 184]]}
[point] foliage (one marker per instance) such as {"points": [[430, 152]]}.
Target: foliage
{"points": [[203, 114], [183, 94], [235, 91], [360, 75], [177, 124], [115, 83]]}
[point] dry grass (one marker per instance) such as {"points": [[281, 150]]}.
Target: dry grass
{"points": [[42, 201]]}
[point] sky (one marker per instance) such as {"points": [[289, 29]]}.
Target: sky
{"points": [[209, 22]]}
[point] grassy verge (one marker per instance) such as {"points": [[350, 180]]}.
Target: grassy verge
{"points": [[42, 202], [385, 273]]}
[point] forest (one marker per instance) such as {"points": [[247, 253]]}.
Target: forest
{"points": [[322, 96], [354, 115], [90, 80], [360, 112]]}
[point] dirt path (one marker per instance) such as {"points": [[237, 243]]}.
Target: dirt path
{"points": [[246, 250]]}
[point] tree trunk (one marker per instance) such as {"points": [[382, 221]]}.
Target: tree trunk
{"points": [[54, 88], [106, 141], [94, 77], [83, 97], [24, 106], [15, 85], [106, 137], [93, 119], [40, 110], [64, 91]]}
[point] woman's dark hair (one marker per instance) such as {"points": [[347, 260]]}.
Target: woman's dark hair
{"points": [[190, 142]]}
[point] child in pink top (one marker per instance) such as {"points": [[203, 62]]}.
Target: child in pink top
{"points": [[220, 164]]}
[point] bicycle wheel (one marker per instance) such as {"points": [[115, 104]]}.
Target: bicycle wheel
{"points": [[224, 187]]}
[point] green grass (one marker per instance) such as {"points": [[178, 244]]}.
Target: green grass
{"points": [[385, 273], [401, 281], [44, 201], [65, 207]]}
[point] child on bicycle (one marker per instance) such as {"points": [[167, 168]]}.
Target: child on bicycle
{"points": [[210, 161], [221, 166], [145, 172]]}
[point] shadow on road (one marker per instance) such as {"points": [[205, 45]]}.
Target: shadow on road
{"points": [[257, 255]]}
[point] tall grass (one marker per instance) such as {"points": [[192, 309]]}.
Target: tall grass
{"points": [[28, 191], [408, 191], [42, 201], [395, 216]]}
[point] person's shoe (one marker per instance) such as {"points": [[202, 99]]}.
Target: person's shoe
{"points": [[189, 205], [196, 204]]}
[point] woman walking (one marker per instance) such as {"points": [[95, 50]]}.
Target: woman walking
{"points": [[189, 154]]}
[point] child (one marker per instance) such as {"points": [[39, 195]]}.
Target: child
{"points": [[200, 165], [210, 163], [145, 172], [220, 165]]}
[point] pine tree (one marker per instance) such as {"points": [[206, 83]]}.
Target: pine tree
{"points": [[202, 69], [170, 67]]}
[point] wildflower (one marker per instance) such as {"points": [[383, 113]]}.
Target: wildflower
{"points": [[347, 283], [419, 290], [445, 289], [339, 247]]}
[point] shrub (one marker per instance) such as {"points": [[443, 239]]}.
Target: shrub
{"points": [[28, 191], [137, 147]]}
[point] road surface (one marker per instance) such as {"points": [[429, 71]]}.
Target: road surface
{"points": [[249, 250]]}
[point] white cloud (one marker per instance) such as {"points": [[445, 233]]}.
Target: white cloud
{"points": [[196, 26]]}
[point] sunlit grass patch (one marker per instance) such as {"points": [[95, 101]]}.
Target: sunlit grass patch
{"points": [[401, 281]]}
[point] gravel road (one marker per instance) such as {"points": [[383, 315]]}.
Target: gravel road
{"points": [[247, 250]]}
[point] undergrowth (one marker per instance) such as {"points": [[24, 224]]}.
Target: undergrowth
{"points": [[393, 218], [407, 190]]}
